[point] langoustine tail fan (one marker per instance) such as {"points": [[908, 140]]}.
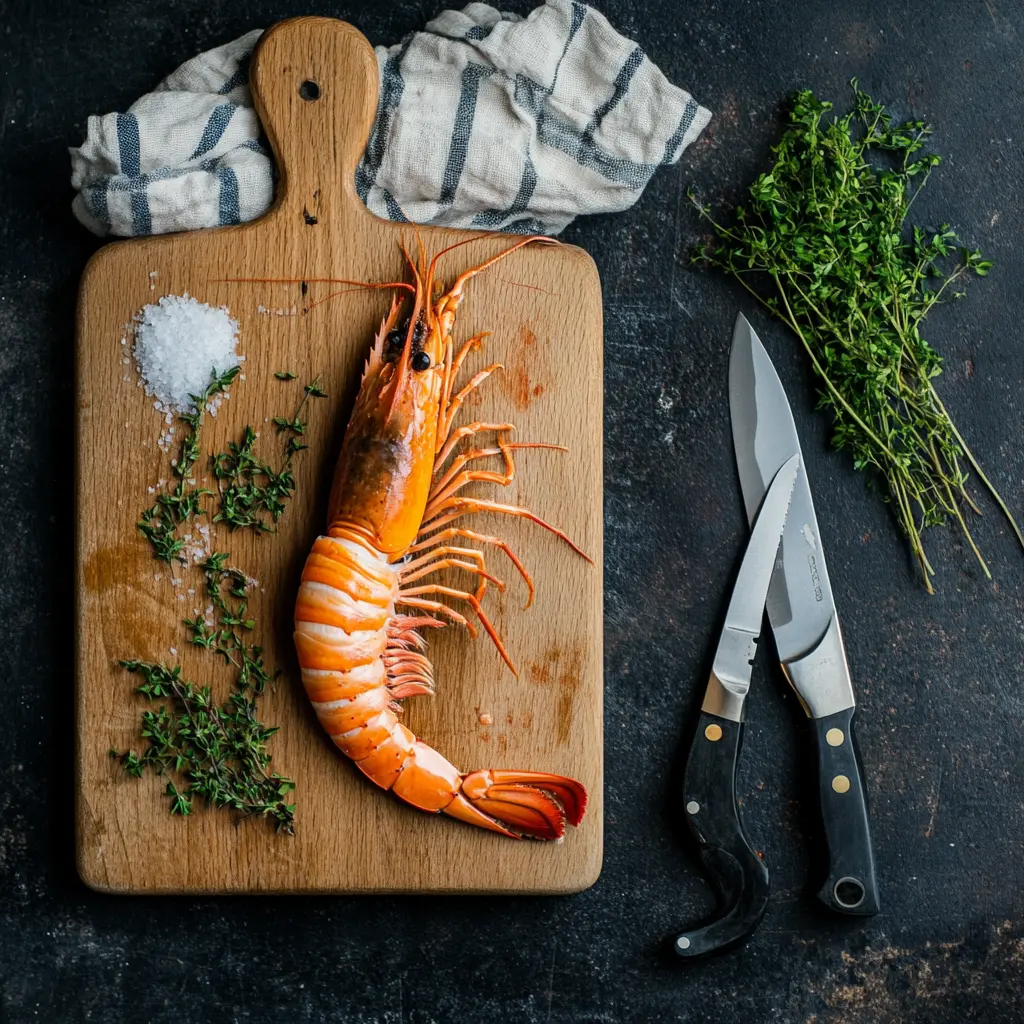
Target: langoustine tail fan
{"points": [[396, 517]]}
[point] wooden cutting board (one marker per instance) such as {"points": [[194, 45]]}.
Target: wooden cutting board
{"points": [[543, 306]]}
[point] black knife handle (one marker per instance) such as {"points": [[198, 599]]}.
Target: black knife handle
{"points": [[850, 887], [735, 869]]}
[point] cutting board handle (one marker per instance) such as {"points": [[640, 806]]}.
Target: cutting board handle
{"points": [[315, 84]]}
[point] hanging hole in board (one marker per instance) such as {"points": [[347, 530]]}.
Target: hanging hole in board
{"points": [[309, 90]]}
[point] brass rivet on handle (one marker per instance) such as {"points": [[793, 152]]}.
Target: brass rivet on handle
{"points": [[713, 732], [834, 737], [841, 784]]}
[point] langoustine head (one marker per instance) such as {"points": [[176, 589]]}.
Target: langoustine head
{"points": [[387, 457]]}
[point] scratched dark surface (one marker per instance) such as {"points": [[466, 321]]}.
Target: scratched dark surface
{"points": [[939, 677]]}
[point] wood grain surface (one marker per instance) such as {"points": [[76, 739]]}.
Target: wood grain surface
{"points": [[350, 837]]}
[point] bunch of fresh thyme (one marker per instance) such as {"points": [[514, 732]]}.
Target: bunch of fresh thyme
{"points": [[824, 244], [220, 750]]}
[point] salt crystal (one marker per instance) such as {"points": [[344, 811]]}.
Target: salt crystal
{"points": [[172, 651], [178, 341]]}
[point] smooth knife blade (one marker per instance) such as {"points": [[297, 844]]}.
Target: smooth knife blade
{"points": [[730, 673], [800, 604]]}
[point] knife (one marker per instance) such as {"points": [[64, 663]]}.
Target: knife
{"points": [[709, 782], [804, 622]]}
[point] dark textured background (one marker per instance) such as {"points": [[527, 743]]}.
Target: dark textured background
{"points": [[939, 677]]}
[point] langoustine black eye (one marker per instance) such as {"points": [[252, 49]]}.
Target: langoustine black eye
{"points": [[395, 342]]}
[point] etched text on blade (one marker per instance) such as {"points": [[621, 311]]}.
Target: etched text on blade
{"points": [[799, 601]]}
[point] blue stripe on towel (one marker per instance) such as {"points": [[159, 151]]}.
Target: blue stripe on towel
{"points": [[96, 200], [622, 80], [555, 132], [142, 222], [219, 120], [240, 76], [689, 113], [395, 212], [129, 151], [528, 182], [579, 12], [526, 226], [391, 89], [228, 196], [472, 75]]}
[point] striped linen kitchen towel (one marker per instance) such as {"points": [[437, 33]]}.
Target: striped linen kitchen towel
{"points": [[485, 120]]}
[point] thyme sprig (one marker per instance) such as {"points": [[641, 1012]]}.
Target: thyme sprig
{"points": [[824, 244], [219, 750], [253, 495], [159, 523]]}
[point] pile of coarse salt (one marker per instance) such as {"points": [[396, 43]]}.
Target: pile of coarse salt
{"points": [[179, 343]]}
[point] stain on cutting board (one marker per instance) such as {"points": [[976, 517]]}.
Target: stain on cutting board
{"points": [[562, 668]]}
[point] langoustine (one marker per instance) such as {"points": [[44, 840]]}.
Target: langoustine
{"points": [[392, 518]]}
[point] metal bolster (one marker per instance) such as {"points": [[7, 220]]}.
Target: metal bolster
{"points": [[821, 677], [730, 675]]}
